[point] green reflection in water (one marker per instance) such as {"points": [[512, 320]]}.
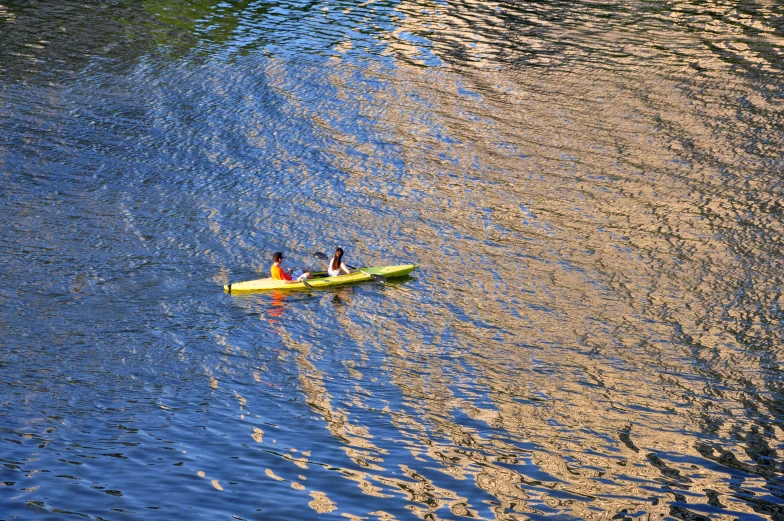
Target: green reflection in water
{"points": [[210, 21]]}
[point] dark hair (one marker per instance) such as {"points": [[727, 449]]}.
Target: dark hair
{"points": [[277, 256], [337, 259]]}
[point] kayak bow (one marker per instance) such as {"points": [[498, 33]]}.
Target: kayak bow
{"points": [[320, 280]]}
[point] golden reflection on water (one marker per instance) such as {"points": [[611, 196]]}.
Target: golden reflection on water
{"points": [[596, 326], [582, 262]]}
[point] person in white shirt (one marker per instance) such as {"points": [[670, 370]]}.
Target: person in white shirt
{"points": [[336, 265]]}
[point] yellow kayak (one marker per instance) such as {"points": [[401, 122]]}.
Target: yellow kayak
{"points": [[320, 280]]}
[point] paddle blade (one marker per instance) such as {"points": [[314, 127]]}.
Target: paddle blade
{"points": [[320, 256], [378, 278]]}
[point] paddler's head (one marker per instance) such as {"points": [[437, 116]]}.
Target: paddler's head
{"points": [[277, 257], [337, 259]]}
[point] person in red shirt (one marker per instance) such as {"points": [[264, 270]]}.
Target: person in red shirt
{"points": [[279, 273]]}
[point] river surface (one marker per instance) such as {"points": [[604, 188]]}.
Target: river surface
{"points": [[593, 190]]}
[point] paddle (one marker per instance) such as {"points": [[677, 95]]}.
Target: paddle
{"points": [[305, 282], [378, 278]]}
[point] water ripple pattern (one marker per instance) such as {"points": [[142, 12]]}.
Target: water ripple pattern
{"points": [[593, 191]]}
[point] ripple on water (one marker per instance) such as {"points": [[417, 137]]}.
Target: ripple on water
{"points": [[593, 194]]}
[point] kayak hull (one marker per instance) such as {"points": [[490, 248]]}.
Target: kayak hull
{"points": [[320, 282]]}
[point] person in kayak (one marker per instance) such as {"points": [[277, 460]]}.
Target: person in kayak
{"points": [[336, 265], [279, 273]]}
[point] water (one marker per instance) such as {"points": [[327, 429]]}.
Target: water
{"points": [[593, 191]]}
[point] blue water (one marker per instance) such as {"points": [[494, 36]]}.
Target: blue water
{"points": [[593, 192]]}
